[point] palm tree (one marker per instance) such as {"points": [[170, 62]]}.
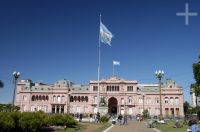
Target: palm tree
{"points": [[1, 84]]}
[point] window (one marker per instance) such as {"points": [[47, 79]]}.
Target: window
{"points": [[71, 99], [53, 109], [39, 107], [176, 101], [54, 98], [58, 98], [32, 108], [95, 88], [157, 100], [122, 100], [171, 100], [45, 108], [166, 100], [129, 99], [63, 98], [112, 88], [140, 100], [86, 98], [62, 109], [43, 98], [95, 99], [33, 98], [24, 98], [129, 88], [148, 100]]}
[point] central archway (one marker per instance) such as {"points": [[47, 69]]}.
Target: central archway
{"points": [[112, 105]]}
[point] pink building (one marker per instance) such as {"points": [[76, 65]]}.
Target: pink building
{"points": [[117, 96]]}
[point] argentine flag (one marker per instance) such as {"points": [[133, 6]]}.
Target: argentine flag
{"points": [[105, 34], [116, 63]]}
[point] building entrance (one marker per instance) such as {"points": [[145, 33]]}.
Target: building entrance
{"points": [[112, 105]]}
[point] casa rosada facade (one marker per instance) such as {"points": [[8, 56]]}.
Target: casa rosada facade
{"points": [[117, 96]]}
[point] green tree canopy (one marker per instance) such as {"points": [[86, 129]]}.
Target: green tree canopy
{"points": [[186, 107], [196, 72]]}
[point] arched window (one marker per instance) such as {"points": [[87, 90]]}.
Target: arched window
{"points": [[176, 101], [79, 98], [33, 98], [95, 99], [47, 98], [43, 98], [36, 98], [82, 98], [122, 101], [86, 98], [40, 97], [148, 100], [166, 100], [58, 98], [24, 98], [71, 99], [54, 98], [140, 100], [129, 99], [171, 100], [75, 98], [63, 98]]}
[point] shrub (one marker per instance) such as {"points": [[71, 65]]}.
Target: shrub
{"points": [[62, 120], [7, 123], [104, 119], [30, 122]]}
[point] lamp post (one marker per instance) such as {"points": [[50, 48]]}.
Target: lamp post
{"points": [[143, 95], [159, 74], [68, 107], [15, 77]]}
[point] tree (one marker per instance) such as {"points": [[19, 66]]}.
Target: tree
{"points": [[145, 114], [196, 72], [186, 107]]}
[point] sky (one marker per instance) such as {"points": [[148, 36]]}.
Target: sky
{"points": [[49, 40]]}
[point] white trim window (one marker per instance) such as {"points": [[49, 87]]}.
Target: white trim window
{"points": [[176, 101], [130, 100]]}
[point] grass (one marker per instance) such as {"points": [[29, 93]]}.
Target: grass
{"points": [[82, 128], [103, 127], [169, 127], [78, 128]]}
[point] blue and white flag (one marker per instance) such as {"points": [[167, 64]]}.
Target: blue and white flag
{"points": [[105, 34], [116, 63]]}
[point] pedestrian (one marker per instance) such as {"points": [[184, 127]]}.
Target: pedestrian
{"points": [[120, 119], [194, 127], [98, 117], [80, 117], [125, 120]]}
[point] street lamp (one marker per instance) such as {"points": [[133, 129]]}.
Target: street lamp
{"points": [[159, 74], [143, 95], [15, 77], [68, 107]]}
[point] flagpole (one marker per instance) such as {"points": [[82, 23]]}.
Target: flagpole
{"points": [[113, 70], [98, 93]]}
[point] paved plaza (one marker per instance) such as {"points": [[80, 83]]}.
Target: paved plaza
{"points": [[133, 126]]}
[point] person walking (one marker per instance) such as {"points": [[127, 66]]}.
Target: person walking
{"points": [[98, 117], [120, 119], [125, 120]]}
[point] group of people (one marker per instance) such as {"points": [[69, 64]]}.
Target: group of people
{"points": [[95, 117], [124, 118], [193, 126], [192, 123]]}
